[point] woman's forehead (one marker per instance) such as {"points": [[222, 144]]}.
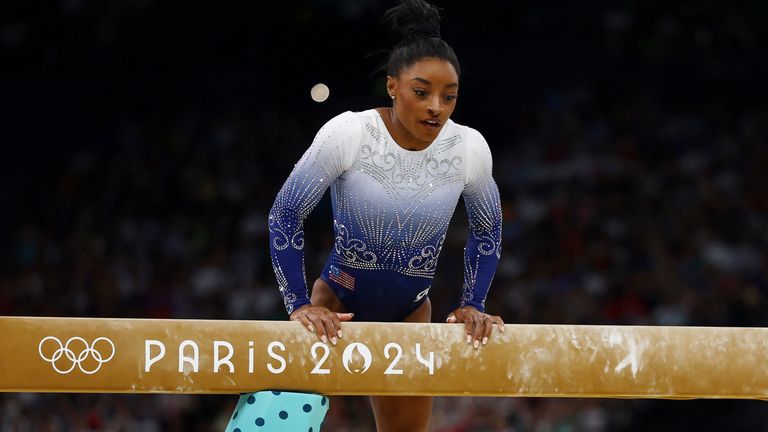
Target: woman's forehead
{"points": [[434, 70]]}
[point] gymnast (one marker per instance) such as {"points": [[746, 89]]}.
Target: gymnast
{"points": [[395, 174]]}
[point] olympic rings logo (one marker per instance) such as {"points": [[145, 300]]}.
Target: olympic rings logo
{"points": [[64, 359]]}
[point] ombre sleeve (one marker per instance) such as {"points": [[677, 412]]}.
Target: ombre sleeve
{"points": [[332, 152], [483, 247]]}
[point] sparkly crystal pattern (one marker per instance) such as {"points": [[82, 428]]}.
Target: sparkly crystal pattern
{"points": [[391, 207]]}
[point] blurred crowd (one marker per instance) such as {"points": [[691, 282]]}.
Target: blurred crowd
{"points": [[638, 203]]}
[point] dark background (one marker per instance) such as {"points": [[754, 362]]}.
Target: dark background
{"points": [[143, 143]]}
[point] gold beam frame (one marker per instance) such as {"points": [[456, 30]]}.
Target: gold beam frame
{"points": [[198, 356]]}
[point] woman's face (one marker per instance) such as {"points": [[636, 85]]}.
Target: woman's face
{"points": [[425, 97]]}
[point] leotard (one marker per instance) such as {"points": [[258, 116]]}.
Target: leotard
{"points": [[391, 209]]}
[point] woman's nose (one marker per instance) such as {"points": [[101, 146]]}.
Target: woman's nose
{"points": [[435, 107]]}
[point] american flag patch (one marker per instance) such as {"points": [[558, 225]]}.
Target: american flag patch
{"points": [[342, 278]]}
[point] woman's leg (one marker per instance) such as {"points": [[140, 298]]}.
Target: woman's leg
{"points": [[392, 413], [323, 295], [405, 413]]}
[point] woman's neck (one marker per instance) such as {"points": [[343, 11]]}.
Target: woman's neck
{"points": [[399, 133]]}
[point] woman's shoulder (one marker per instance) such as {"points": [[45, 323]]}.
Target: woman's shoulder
{"points": [[345, 125], [354, 121], [471, 136], [355, 117], [370, 115], [479, 160]]}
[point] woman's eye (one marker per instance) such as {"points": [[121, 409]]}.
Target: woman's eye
{"points": [[451, 97], [420, 92]]}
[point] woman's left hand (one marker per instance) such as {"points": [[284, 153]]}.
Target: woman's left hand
{"points": [[478, 325]]}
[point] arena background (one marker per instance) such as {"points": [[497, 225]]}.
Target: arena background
{"points": [[143, 143]]}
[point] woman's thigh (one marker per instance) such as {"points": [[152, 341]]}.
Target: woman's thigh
{"points": [[323, 295], [405, 413], [392, 413]]}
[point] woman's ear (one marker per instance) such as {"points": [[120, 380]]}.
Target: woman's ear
{"points": [[391, 86]]}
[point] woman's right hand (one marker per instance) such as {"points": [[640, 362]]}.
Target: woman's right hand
{"points": [[321, 320]]}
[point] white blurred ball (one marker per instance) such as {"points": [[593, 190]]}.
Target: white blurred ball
{"points": [[320, 92]]}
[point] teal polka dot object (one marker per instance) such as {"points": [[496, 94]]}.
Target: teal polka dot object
{"points": [[278, 411]]}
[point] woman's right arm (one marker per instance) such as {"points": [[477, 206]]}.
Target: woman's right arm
{"points": [[332, 152]]}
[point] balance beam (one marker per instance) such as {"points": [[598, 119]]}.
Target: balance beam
{"points": [[198, 356]]}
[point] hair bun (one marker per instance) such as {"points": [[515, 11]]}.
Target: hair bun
{"points": [[414, 19], [418, 25]]}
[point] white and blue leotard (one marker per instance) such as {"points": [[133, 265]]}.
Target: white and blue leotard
{"points": [[391, 209]]}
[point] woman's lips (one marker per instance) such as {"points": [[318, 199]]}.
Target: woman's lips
{"points": [[432, 124]]}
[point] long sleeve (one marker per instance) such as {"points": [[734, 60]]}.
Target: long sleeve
{"points": [[332, 152], [483, 247]]}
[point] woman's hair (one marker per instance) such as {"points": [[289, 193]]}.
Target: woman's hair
{"points": [[417, 23]]}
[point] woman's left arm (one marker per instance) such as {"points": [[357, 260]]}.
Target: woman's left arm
{"points": [[483, 247]]}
